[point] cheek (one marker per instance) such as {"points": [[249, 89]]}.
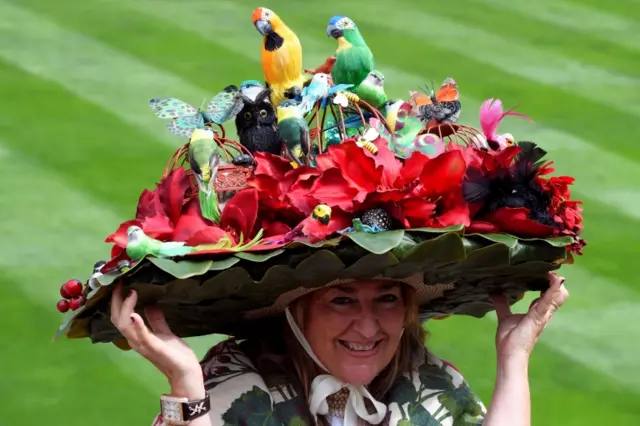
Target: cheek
{"points": [[392, 321]]}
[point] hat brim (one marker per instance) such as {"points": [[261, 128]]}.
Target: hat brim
{"points": [[454, 274]]}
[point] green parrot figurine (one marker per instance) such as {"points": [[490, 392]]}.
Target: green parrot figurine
{"points": [[354, 60], [140, 245], [204, 160], [294, 131], [371, 90]]}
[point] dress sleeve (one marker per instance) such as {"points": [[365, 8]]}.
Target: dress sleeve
{"points": [[464, 405]]}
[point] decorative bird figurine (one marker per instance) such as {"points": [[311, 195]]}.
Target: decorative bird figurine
{"points": [[371, 90], [491, 114], [140, 245], [294, 131], [251, 88], [320, 88], [204, 160], [281, 56], [354, 59], [313, 227], [257, 127]]}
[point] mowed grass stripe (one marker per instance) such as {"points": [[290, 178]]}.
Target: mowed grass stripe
{"points": [[43, 244], [519, 26], [67, 383], [563, 391], [623, 8], [588, 22], [123, 102]]}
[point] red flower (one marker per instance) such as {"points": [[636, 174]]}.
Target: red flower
{"points": [[283, 192], [157, 210], [511, 220]]}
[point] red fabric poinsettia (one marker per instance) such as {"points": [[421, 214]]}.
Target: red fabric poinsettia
{"points": [[420, 192], [282, 192], [157, 211]]}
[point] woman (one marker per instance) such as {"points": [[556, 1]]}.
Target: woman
{"points": [[363, 335]]}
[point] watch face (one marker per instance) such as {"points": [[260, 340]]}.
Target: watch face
{"points": [[171, 410]]}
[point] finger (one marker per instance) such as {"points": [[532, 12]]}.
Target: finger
{"points": [[156, 320], [116, 304], [501, 304], [550, 301], [128, 306]]}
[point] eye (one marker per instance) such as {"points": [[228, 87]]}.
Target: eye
{"points": [[247, 116], [341, 300], [263, 113], [388, 298]]}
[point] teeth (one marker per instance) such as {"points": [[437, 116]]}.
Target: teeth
{"points": [[358, 346]]}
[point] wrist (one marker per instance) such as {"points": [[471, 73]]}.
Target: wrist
{"points": [[510, 364], [189, 386]]}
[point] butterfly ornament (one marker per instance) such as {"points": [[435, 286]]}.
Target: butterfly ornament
{"points": [[437, 107], [185, 118]]}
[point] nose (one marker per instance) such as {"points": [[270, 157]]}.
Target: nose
{"points": [[367, 323]]}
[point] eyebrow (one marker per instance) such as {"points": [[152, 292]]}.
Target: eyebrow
{"points": [[382, 287]]}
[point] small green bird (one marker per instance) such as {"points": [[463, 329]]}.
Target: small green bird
{"points": [[354, 59], [140, 245], [293, 130], [204, 159], [371, 90]]}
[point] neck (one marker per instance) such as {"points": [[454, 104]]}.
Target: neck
{"points": [[354, 37]]}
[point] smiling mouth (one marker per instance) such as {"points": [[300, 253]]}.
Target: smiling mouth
{"points": [[359, 347]]}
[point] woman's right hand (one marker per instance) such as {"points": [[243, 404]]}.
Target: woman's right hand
{"points": [[170, 354]]}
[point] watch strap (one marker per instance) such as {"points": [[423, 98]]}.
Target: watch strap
{"points": [[180, 411], [194, 409]]}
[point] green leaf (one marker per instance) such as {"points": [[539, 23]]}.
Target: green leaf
{"points": [[506, 239], [378, 243], [370, 265], [452, 228], [563, 241], [183, 268], [221, 265], [334, 242], [318, 269], [259, 257]]}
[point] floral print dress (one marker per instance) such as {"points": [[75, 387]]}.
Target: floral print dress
{"points": [[434, 394]]}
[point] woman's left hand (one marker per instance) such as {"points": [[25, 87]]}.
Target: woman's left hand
{"points": [[518, 333]]}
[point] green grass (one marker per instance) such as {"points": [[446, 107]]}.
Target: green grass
{"points": [[78, 144]]}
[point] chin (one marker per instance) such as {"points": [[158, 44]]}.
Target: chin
{"points": [[359, 374]]}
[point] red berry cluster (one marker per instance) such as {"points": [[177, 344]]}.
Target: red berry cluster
{"points": [[71, 291]]}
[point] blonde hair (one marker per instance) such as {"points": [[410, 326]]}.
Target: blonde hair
{"points": [[411, 349]]}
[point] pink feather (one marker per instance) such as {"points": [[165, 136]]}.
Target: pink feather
{"points": [[491, 114]]}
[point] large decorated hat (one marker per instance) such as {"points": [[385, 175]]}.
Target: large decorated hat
{"points": [[328, 180]]}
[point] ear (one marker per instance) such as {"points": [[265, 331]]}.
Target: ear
{"points": [[263, 96]]}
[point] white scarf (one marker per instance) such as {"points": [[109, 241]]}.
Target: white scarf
{"points": [[326, 385]]}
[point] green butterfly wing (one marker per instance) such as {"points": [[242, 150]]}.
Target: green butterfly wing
{"points": [[184, 126], [171, 108], [225, 105]]}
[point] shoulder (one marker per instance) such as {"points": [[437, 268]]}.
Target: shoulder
{"points": [[236, 388], [435, 390]]}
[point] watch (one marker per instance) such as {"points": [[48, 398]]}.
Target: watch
{"points": [[180, 411]]}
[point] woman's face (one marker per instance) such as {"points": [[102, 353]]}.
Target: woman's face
{"points": [[355, 329]]}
